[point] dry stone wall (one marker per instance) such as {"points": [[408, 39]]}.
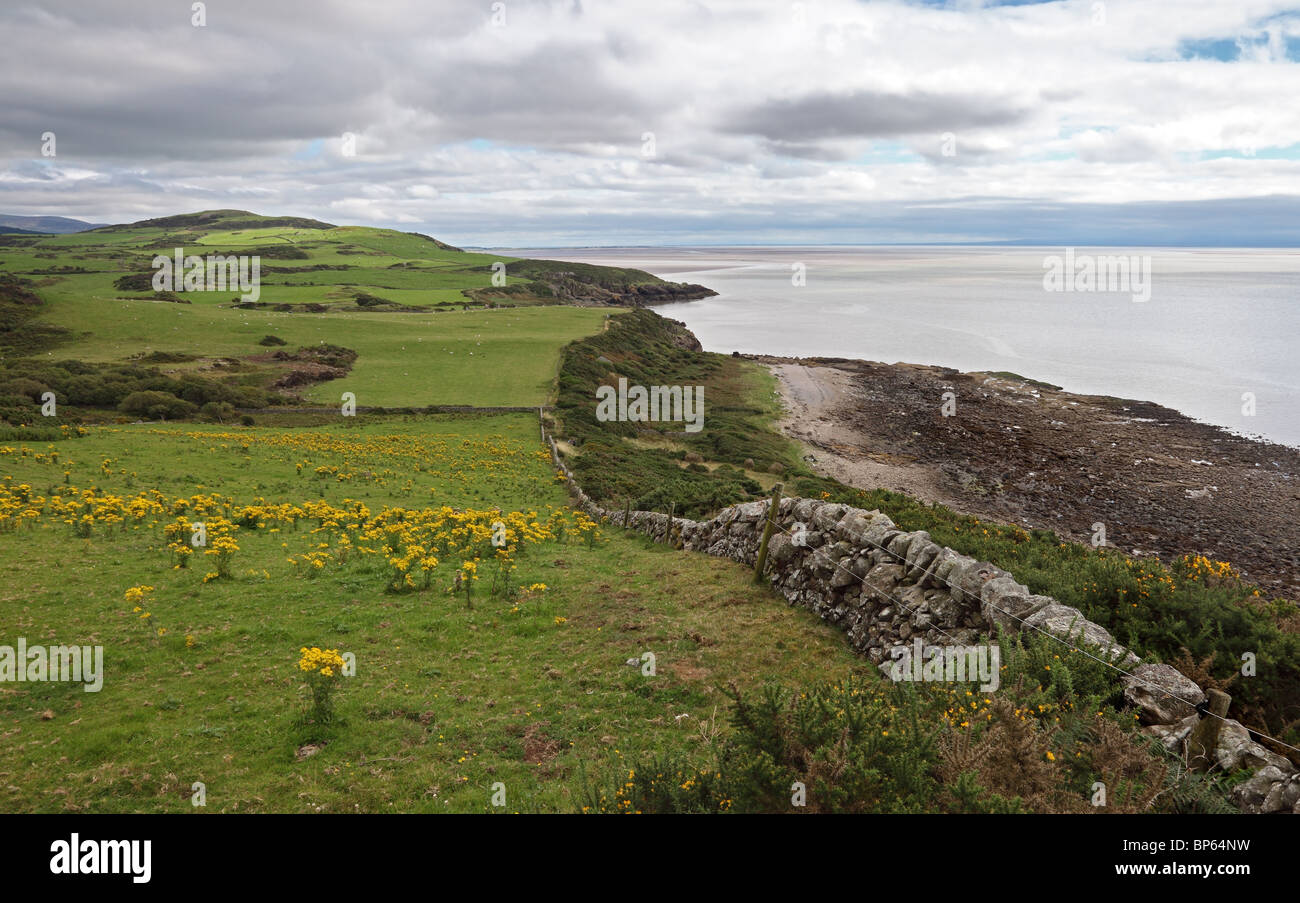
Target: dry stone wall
{"points": [[886, 587]]}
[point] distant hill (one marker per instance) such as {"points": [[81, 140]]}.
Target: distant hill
{"points": [[398, 318], [214, 220], [314, 266], [56, 225], [306, 267]]}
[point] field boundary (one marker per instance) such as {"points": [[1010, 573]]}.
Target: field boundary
{"points": [[884, 586], [427, 409]]}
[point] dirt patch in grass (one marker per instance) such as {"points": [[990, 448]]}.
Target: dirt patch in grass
{"points": [[688, 671], [539, 749]]}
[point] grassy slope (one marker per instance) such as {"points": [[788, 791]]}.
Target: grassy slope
{"points": [[615, 463], [446, 701], [451, 356]]}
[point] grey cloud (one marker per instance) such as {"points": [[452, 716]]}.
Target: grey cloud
{"points": [[137, 80], [874, 114], [807, 150], [967, 150], [1120, 146], [559, 94]]}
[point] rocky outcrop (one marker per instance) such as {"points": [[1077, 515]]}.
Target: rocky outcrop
{"points": [[573, 288], [886, 587]]}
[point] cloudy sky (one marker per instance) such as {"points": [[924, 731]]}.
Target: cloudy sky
{"points": [[609, 122]]}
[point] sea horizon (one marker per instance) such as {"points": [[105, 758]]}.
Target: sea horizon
{"points": [[1172, 349]]}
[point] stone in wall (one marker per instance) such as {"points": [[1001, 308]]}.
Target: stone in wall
{"points": [[1144, 690]]}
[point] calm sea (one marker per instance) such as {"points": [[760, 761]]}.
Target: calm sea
{"points": [[1219, 323]]}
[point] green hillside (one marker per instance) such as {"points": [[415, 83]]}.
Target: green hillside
{"points": [[425, 321]]}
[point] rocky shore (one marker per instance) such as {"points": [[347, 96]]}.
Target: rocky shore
{"points": [[1020, 451]]}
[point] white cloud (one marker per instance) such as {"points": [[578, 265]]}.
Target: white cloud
{"points": [[474, 132]]}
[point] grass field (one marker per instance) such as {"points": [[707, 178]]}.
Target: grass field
{"points": [[477, 357], [434, 351], [345, 533], [446, 700]]}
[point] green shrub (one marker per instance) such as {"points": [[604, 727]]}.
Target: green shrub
{"points": [[866, 745], [20, 331], [168, 357], [134, 282], [108, 385], [37, 432], [157, 406], [23, 388], [250, 397], [217, 411], [856, 746]]}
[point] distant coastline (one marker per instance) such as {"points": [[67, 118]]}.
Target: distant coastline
{"points": [[1210, 342], [1023, 450]]}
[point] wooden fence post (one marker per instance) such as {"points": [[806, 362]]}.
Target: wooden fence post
{"points": [[767, 533], [1205, 733], [627, 513]]}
